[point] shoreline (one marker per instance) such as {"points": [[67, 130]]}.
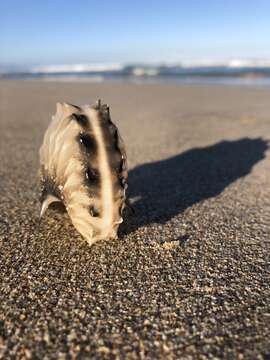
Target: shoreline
{"points": [[245, 82]]}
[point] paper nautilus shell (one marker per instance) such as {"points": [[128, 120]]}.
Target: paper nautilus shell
{"points": [[83, 164]]}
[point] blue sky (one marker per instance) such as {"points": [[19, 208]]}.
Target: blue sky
{"points": [[62, 31]]}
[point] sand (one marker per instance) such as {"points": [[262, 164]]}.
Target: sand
{"points": [[189, 276]]}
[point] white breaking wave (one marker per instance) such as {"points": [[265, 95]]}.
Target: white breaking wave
{"points": [[137, 70], [232, 63], [242, 63], [141, 71], [76, 68]]}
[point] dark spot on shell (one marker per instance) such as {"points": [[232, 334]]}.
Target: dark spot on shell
{"points": [[49, 187], [112, 127], [109, 121], [116, 141], [93, 211], [82, 120], [75, 106], [106, 110], [104, 115], [88, 142], [92, 176], [122, 166]]}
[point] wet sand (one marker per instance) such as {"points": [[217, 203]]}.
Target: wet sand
{"points": [[189, 275]]}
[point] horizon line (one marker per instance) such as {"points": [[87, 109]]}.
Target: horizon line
{"points": [[118, 66]]}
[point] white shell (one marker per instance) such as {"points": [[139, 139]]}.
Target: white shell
{"points": [[83, 165]]}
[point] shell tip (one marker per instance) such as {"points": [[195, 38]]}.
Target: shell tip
{"points": [[98, 104]]}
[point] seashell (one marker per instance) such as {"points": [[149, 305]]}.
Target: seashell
{"points": [[83, 164]]}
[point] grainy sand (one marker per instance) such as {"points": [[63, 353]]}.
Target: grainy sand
{"points": [[190, 275]]}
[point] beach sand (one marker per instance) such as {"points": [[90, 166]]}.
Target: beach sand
{"points": [[189, 275]]}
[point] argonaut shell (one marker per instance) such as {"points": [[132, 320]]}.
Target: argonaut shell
{"points": [[83, 164]]}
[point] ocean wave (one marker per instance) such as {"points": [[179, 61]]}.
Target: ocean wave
{"points": [[240, 63], [142, 69], [76, 68], [236, 71], [232, 63], [145, 71]]}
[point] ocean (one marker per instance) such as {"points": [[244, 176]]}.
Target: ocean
{"points": [[233, 73]]}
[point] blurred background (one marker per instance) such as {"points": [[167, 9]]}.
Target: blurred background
{"points": [[177, 41]]}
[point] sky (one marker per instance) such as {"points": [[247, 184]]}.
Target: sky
{"points": [[43, 32]]}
